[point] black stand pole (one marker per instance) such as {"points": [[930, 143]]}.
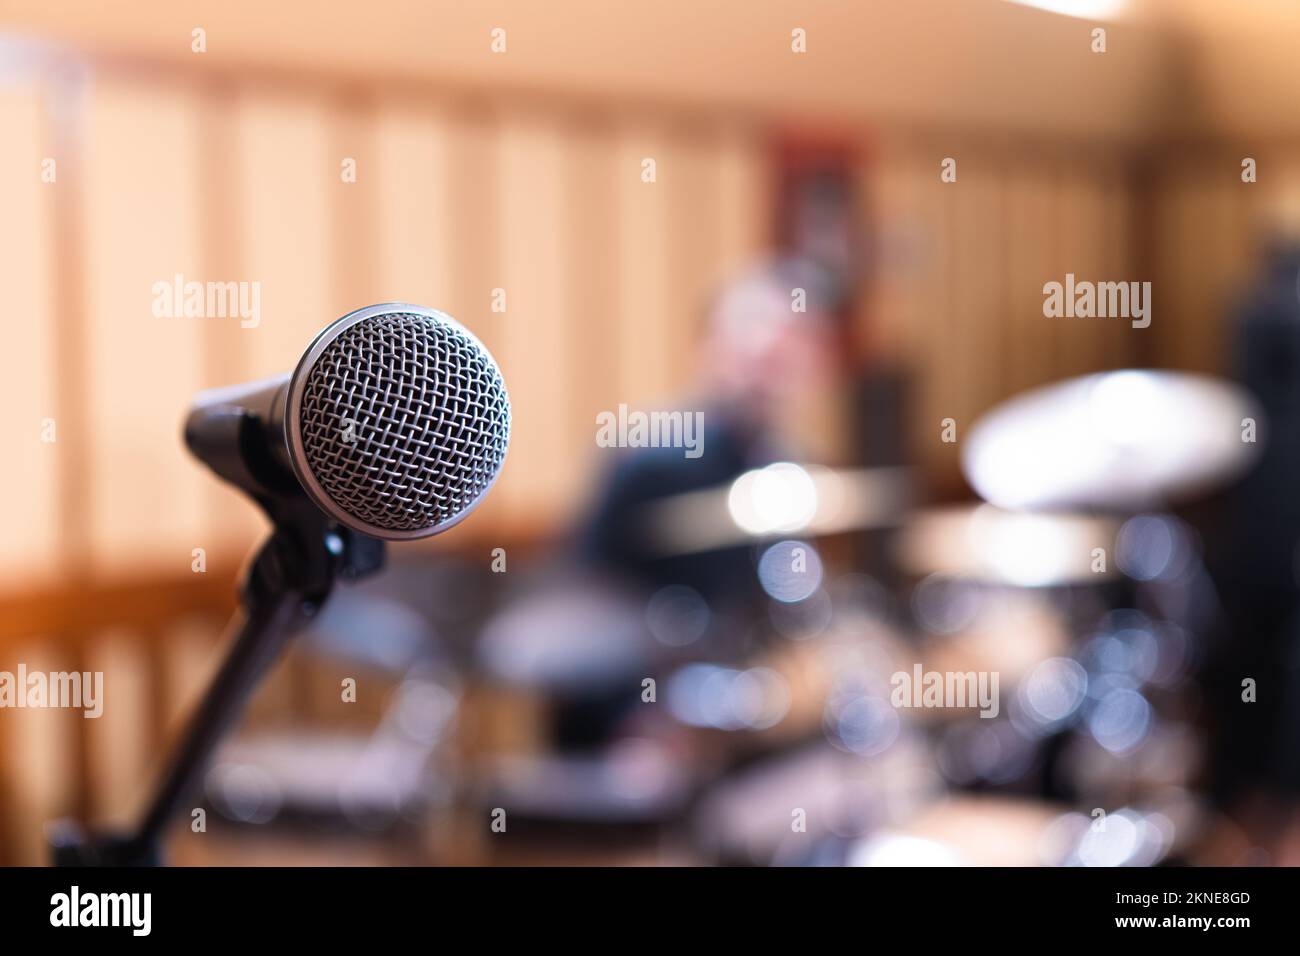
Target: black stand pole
{"points": [[286, 584]]}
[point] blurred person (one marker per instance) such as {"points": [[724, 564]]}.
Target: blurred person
{"points": [[582, 635], [1258, 564], [759, 360]]}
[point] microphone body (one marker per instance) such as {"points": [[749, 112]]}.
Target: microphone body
{"points": [[395, 423], [238, 432]]}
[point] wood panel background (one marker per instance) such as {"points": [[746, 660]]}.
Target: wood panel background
{"points": [[458, 195], [956, 294], [222, 180]]}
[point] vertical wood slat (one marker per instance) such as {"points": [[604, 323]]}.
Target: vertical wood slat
{"points": [[974, 343], [65, 113], [80, 748], [414, 211], [965, 311], [693, 234], [1080, 211], [37, 774], [231, 524], [1123, 345], [934, 398], [645, 294], [140, 229], [35, 234], [532, 232], [64, 110], [287, 168], [1030, 264], [745, 180], [119, 748], [889, 317], [355, 244], [591, 191]]}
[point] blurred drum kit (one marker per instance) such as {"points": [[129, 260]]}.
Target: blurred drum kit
{"points": [[1078, 479], [1072, 586]]}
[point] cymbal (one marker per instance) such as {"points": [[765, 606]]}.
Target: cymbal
{"points": [[986, 544], [979, 830], [1124, 440], [783, 498]]}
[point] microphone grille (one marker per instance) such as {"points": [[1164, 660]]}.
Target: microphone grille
{"points": [[402, 421]]}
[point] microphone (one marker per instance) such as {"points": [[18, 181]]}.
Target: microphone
{"points": [[394, 424]]}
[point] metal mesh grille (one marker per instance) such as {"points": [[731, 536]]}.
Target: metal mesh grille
{"points": [[404, 421]]}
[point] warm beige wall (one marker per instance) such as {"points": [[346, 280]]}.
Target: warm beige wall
{"points": [[604, 275], [1239, 74], [28, 389], [521, 174], [967, 63], [1207, 231], [957, 295], [958, 298]]}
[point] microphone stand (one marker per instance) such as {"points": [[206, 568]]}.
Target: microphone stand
{"points": [[287, 582]]}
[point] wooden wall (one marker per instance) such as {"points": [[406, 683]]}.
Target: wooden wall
{"points": [[1208, 230], [603, 277], [959, 269], [159, 173], [458, 195]]}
